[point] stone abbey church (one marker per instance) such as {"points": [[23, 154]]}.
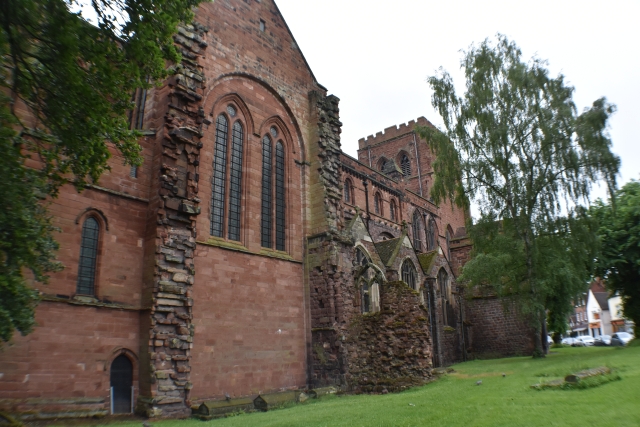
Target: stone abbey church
{"points": [[249, 254]]}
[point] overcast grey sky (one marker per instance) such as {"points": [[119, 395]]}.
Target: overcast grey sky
{"points": [[376, 55]]}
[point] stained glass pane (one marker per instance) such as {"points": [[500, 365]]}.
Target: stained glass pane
{"points": [[235, 184], [219, 177], [266, 223], [88, 257], [280, 198]]}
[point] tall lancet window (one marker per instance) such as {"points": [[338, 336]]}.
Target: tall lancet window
{"points": [[280, 199], [219, 182], [235, 181], [88, 257], [226, 183], [267, 192], [273, 183]]}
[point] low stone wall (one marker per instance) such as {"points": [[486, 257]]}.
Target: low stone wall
{"points": [[497, 329], [390, 349]]}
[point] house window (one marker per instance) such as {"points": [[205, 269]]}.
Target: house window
{"points": [[133, 172], [377, 204], [227, 168], [263, 25], [409, 274], [405, 165], [273, 173], [88, 257]]}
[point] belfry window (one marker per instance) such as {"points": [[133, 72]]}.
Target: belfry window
{"points": [[227, 169], [409, 274], [273, 172], [405, 165], [88, 257], [392, 211]]}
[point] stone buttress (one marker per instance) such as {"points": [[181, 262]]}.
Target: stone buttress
{"points": [[168, 339]]}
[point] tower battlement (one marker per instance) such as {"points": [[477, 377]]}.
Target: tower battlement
{"points": [[392, 132]]}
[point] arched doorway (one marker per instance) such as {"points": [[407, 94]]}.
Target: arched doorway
{"points": [[121, 385]]}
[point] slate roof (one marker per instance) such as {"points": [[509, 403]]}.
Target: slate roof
{"points": [[388, 249], [597, 286], [427, 260], [603, 299]]}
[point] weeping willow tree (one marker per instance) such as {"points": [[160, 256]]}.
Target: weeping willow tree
{"points": [[515, 144], [65, 90]]}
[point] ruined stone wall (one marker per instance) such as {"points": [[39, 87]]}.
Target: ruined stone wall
{"points": [[497, 329], [390, 349], [167, 334], [333, 303]]}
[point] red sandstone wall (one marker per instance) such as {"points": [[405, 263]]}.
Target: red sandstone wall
{"points": [[119, 273], [497, 330], [249, 318], [68, 355], [249, 302]]}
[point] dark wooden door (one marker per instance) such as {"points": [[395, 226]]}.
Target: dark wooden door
{"points": [[121, 382]]}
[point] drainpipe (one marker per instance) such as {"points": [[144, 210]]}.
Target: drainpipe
{"points": [[415, 146]]}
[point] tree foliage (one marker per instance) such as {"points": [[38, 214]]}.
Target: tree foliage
{"points": [[515, 144], [65, 89], [619, 259]]}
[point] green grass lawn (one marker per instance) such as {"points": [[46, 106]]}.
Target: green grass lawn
{"points": [[456, 400]]}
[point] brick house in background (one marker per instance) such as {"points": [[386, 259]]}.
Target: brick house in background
{"points": [[249, 254]]}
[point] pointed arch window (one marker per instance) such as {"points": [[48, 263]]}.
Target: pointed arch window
{"points": [[448, 235], [88, 257], [366, 301], [348, 192], [431, 234], [377, 204], [417, 226], [393, 210], [226, 209], [382, 164], [405, 165], [361, 257], [448, 313], [409, 274], [273, 181]]}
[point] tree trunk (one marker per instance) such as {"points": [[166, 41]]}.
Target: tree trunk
{"points": [[543, 335]]}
